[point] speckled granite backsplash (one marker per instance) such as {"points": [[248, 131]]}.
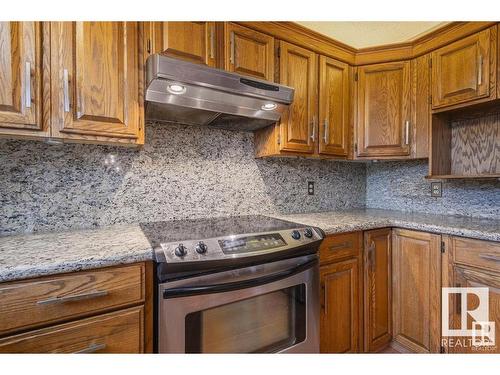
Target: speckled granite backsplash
{"points": [[183, 171], [402, 186]]}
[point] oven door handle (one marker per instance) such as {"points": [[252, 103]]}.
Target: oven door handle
{"points": [[187, 291]]}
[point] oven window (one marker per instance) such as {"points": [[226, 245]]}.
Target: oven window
{"points": [[265, 323]]}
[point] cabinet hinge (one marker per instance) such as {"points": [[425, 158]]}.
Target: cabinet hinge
{"points": [[355, 147], [279, 139], [148, 45], [441, 350], [279, 52], [356, 76], [430, 99], [443, 247]]}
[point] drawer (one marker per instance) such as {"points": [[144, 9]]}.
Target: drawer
{"points": [[340, 246], [483, 254], [117, 332], [38, 302]]}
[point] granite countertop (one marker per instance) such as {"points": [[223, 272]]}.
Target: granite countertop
{"points": [[353, 220], [34, 255]]}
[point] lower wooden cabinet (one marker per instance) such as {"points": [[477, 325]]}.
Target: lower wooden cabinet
{"points": [[117, 332], [377, 289], [340, 280], [105, 310], [416, 291]]}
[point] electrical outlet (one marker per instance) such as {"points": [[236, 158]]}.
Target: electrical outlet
{"points": [[310, 187], [436, 189]]}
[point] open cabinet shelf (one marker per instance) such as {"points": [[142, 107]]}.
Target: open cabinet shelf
{"points": [[465, 145]]}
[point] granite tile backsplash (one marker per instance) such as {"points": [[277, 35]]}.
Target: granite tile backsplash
{"points": [[402, 186], [182, 171]]}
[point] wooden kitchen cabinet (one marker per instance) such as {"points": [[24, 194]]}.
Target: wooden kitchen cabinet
{"points": [[377, 289], [97, 102], [195, 42], [248, 52], [465, 70], [416, 291], [341, 296], [334, 114], [384, 110], [21, 73]]}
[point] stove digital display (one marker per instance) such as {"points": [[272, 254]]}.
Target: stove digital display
{"points": [[252, 243]]}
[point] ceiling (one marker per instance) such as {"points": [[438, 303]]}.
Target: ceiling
{"points": [[369, 34]]}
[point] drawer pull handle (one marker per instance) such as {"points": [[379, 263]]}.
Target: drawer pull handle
{"points": [[324, 300], [494, 258], [75, 297], [342, 245], [92, 348]]}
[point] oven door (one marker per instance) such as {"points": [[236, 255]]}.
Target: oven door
{"points": [[268, 308]]}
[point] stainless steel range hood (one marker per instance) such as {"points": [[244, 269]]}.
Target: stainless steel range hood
{"points": [[182, 92]]}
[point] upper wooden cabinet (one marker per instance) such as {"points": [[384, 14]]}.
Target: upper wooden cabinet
{"points": [[465, 70], [384, 110], [299, 69], [377, 289], [21, 79], [416, 286], [97, 79], [333, 107], [192, 41], [248, 52]]}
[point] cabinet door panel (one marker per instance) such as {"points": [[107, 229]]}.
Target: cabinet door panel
{"points": [[20, 75], [377, 289], [249, 52], [90, 99], [461, 70], [298, 69], [416, 283], [384, 109], [474, 278], [340, 308], [191, 41], [333, 107]]}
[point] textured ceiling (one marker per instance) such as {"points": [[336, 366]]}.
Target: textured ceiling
{"points": [[369, 34]]}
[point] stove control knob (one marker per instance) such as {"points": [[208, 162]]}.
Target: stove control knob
{"points": [[201, 248], [295, 234], [308, 232], [180, 250]]}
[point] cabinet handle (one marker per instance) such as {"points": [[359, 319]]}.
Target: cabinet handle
{"points": [[492, 257], [75, 297], [324, 303], [66, 90], [407, 132], [231, 58], [342, 245], [92, 348], [325, 136], [212, 41], [313, 135], [27, 72], [480, 71]]}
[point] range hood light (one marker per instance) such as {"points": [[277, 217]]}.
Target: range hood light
{"points": [[176, 89], [269, 106]]}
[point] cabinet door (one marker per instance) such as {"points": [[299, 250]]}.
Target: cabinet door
{"points": [[474, 278], [461, 70], [97, 101], [384, 110], [333, 107], [416, 287], [20, 76], [298, 69], [339, 330], [377, 289], [249, 52], [191, 41]]}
